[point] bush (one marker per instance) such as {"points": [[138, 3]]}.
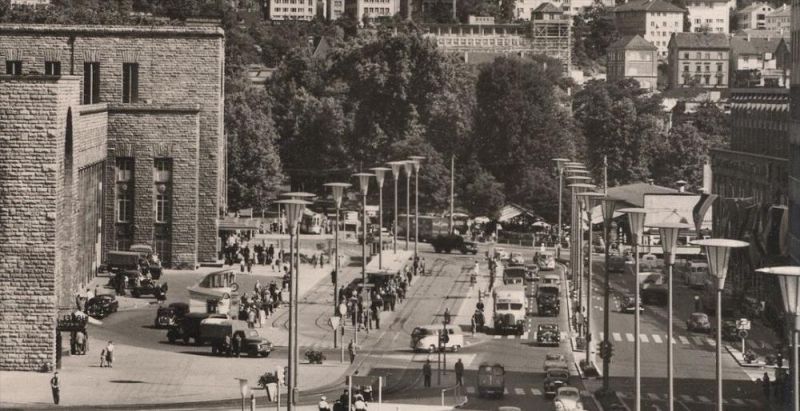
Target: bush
{"points": [[315, 357], [267, 378]]}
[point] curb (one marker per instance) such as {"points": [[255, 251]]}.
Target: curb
{"points": [[759, 364]]}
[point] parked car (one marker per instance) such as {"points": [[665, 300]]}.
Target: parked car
{"points": [[546, 262], [627, 305], [170, 315], [555, 360], [102, 305], [553, 380], [698, 322], [426, 338], [517, 259], [188, 328], [491, 380], [729, 331], [568, 399], [215, 331], [548, 334]]}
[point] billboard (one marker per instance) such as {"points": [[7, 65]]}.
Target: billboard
{"points": [[674, 208]]}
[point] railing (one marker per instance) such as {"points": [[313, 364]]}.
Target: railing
{"points": [[459, 398]]}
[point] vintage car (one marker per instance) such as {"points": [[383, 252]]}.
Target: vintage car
{"points": [[627, 305], [152, 287], [102, 305], [426, 338], [517, 259], [555, 379], [698, 322], [491, 380], [546, 262], [568, 399], [531, 272], [170, 315], [555, 360], [188, 328], [500, 253], [548, 334], [216, 330], [729, 331]]}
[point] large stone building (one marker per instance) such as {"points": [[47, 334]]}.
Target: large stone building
{"points": [[633, 57], [699, 60], [111, 136], [751, 178], [655, 20]]}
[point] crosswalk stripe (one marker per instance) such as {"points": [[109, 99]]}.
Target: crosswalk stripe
{"points": [[737, 401], [653, 396], [629, 336], [643, 338], [711, 342], [699, 340], [686, 398], [656, 339], [519, 391], [703, 398], [617, 336], [683, 339], [497, 337], [505, 391], [470, 390], [536, 391]]}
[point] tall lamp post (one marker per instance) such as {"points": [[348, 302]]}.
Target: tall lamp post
{"points": [[718, 251], [560, 167], [608, 206], [669, 240], [294, 212], [578, 186], [636, 217], [338, 193], [408, 167], [363, 183], [416, 161], [590, 200], [380, 172], [397, 167], [789, 280]]}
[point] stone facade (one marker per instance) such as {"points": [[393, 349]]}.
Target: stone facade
{"points": [[151, 97]]}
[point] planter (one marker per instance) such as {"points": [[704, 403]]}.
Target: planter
{"points": [[315, 357]]}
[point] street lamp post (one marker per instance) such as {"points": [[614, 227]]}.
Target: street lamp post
{"points": [[294, 212], [608, 206], [590, 200], [397, 167], [363, 182], [789, 280], [579, 184], [416, 161], [636, 218], [560, 167], [408, 167], [380, 172], [338, 193], [718, 251], [669, 240]]}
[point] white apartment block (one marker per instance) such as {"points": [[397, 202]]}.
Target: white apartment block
{"points": [[572, 7], [753, 16], [304, 10], [371, 8], [30, 2], [711, 16], [780, 19]]}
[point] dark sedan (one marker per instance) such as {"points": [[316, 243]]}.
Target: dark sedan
{"points": [[102, 305], [548, 334], [170, 315], [555, 379]]}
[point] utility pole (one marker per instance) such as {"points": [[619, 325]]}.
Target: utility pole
{"points": [[452, 181], [605, 175]]}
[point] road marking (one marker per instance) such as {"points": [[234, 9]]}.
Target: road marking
{"points": [[617, 336], [629, 336], [656, 339], [505, 391], [519, 391], [737, 401], [683, 339], [699, 340], [653, 396], [644, 338], [757, 403], [536, 391], [497, 337], [525, 335], [686, 398], [470, 390], [711, 342], [703, 398]]}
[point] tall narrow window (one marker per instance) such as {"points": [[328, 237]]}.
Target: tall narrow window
{"points": [[13, 67], [124, 190], [162, 176], [91, 83], [52, 68], [130, 82]]}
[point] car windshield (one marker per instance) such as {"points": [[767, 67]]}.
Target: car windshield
{"points": [[568, 393], [558, 374], [699, 317], [502, 306], [548, 327], [421, 332], [554, 357], [252, 334], [516, 306]]}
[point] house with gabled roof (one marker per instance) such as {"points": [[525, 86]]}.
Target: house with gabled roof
{"points": [[699, 60], [654, 20], [633, 57]]}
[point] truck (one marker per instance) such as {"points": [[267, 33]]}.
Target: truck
{"points": [[491, 380], [654, 289], [449, 242], [695, 274], [215, 331], [510, 309], [548, 302], [514, 275], [430, 226]]}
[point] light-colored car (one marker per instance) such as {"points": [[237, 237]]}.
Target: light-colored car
{"points": [[568, 399], [547, 262], [626, 304], [698, 322], [501, 253], [555, 360], [426, 338], [517, 258]]}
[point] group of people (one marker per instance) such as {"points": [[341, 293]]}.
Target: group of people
{"points": [[427, 371], [259, 305], [780, 388], [382, 298]]}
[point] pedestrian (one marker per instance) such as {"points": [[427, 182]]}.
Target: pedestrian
{"points": [[103, 358], [359, 404], [351, 349], [237, 344], [376, 316], [251, 318], [80, 343], [477, 268], [459, 372], [472, 325], [56, 387], [365, 320], [110, 354], [323, 404], [698, 305], [426, 373], [765, 385]]}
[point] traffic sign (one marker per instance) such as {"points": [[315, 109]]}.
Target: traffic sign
{"points": [[743, 334], [333, 322], [743, 324]]}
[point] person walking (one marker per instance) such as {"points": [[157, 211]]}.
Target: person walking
{"points": [[765, 385], [103, 358], [426, 373], [237, 345], [459, 372], [359, 404], [323, 404], [351, 349], [110, 354], [55, 386], [698, 305]]}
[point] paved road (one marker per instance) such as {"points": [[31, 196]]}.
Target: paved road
{"points": [[694, 353]]}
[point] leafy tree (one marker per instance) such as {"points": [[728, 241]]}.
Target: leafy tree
{"points": [[680, 155], [594, 31], [477, 190]]}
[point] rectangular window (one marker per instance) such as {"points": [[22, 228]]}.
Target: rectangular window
{"points": [[130, 82], [162, 177], [13, 67], [124, 190], [52, 68], [91, 83]]}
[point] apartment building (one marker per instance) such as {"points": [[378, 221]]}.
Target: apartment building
{"points": [[699, 60], [780, 19], [753, 16], [303, 10], [654, 20], [759, 62], [633, 57], [709, 15]]}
